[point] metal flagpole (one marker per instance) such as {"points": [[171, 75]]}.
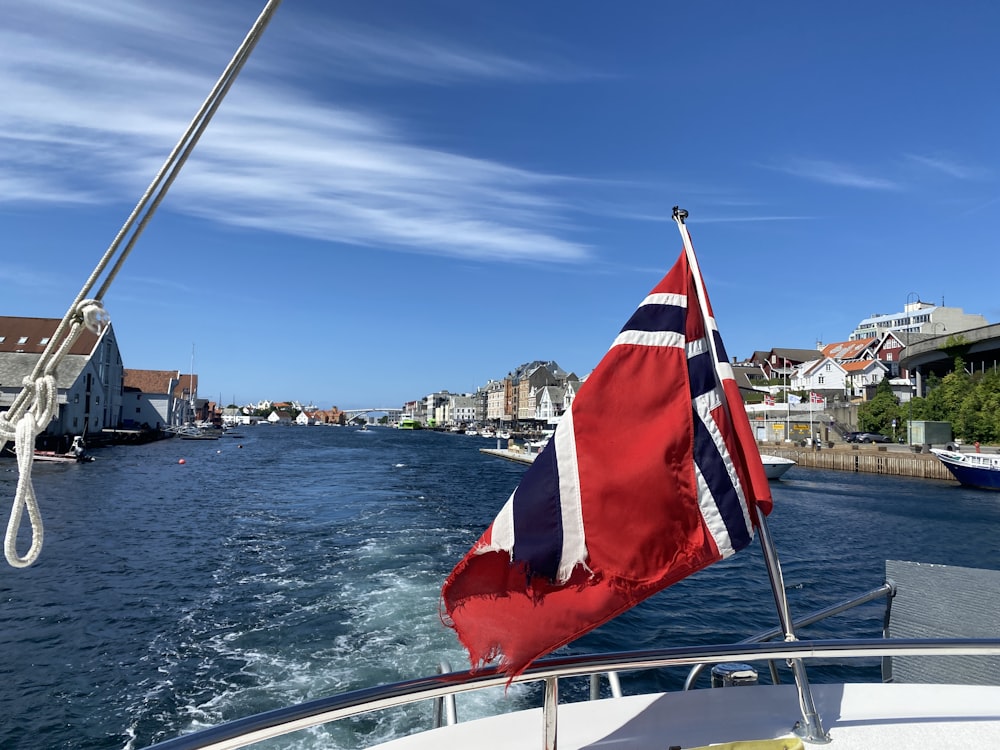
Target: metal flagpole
{"points": [[788, 407], [812, 435], [811, 726]]}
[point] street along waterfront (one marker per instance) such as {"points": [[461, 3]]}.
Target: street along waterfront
{"points": [[302, 561]]}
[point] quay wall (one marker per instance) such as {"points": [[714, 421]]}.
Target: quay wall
{"points": [[864, 458]]}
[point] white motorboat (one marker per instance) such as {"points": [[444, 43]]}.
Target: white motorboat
{"points": [[981, 470], [776, 466], [737, 711], [955, 704]]}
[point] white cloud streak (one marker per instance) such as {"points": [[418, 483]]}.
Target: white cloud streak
{"points": [[93, 107], [948, 167], [834, 173]]}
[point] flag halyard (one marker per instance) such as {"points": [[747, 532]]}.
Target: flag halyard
{"points": [[649, 477]]}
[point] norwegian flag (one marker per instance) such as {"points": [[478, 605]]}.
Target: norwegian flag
{"points": [[649, 477], [768, 400], [815, 398]]}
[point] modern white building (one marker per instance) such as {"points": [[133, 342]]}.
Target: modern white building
{"points": [[919, 317]]}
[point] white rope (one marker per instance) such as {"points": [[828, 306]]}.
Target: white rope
{"points": [[23, 433], [35, 405], [28, 417]]}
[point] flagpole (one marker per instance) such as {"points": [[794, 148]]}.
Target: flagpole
{"points": [[811, 727], [812, 436], [788, 408]]}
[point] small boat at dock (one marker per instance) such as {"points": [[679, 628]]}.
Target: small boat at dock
{"points": [[979, 470], [776, 466]]}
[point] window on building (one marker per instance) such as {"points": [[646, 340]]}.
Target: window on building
{"points": [[23, 340], [138, 410], [45, 340]]}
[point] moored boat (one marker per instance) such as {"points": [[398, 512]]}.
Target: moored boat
{"points": [[62, 458], [775, 466], [981, 470]]}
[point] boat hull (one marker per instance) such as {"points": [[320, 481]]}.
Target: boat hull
{"points": [[972, 469], [775, 466]]}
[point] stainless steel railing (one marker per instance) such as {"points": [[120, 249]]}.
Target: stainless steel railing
{"points": [[886, 591], [253, 729]]}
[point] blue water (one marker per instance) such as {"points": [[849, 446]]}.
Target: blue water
{"points": [[297, 562]]}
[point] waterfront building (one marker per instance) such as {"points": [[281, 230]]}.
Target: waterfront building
{"points": [[150, 398], [89, 379], [462, 409]]}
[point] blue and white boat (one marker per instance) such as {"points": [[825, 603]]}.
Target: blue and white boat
{"points": [[980, 470]]}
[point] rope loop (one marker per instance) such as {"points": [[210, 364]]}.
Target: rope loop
{"points": [[43, 406]]}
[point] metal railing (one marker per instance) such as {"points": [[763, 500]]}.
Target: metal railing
{"points": [[253, 729], [886, 590]]}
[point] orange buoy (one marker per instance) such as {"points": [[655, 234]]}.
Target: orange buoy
{"points": [[182, 461]]}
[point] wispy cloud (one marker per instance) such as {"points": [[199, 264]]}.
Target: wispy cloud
{"points": [[835, 173], [91, 121], [948, 167], [358, 52]]}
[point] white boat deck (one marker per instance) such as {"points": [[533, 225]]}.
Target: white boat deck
{"points": [[856, 716]]}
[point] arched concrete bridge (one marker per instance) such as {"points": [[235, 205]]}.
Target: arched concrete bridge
{"points": [[978, 347]]}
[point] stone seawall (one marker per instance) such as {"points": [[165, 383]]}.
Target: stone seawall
{"points": [[864, 458]]}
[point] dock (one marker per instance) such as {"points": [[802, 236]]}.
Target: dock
{"points": [[901, 461], [511, 454]]}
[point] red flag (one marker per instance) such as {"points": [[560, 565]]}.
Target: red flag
{"points": [[769, 400], [815, 398], [649, 477]]}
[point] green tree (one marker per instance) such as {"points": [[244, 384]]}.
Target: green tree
{"points": [[970, 403], [877, 415]]}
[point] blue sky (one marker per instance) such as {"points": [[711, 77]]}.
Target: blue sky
{"points": [[397, 198]]}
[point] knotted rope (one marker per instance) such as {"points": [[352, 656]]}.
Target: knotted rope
{"points": [[36, 404], [31, 412]]}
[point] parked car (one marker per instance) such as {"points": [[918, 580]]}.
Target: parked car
{"points": [[851, 437], [872, 437]]}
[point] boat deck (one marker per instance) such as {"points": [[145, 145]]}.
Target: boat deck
{"points": [[856, 716]]}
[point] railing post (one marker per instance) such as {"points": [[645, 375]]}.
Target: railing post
{"points": [[810, 728], [550, 713]]}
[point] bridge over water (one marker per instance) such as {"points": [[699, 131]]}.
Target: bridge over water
{"points": [[978, 347], [393, 413]]}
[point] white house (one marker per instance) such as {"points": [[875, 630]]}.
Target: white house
{"points": [[819, 375], [549, 401], [862, 373], [279, 416]]}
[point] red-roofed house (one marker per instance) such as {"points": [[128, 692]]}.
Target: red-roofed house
{"points": [[89, 378]]}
